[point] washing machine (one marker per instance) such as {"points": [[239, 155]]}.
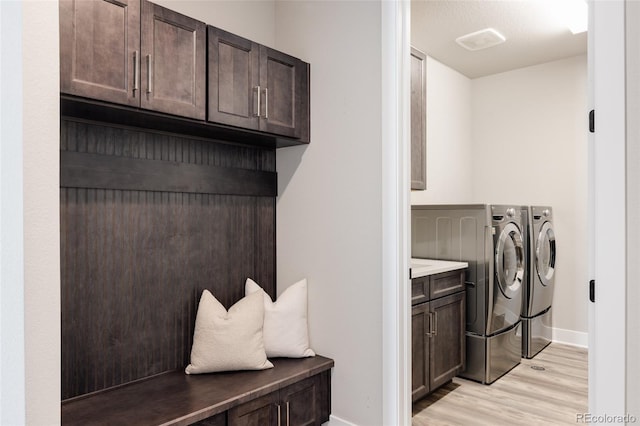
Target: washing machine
{"points": [[540, 253], [489, 238]]}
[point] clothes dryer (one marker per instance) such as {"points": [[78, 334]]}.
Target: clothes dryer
{"points": [[489, 238], [540, 252]]}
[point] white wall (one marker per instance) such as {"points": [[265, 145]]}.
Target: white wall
{"points": [[329, 223], [12, 369], [449, 138], [530, 147], [41, 134], [252, 19]]}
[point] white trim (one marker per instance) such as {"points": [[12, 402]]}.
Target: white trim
{"points": [[607, 366], [570, 337], [337, 421], [396, 340], [632, 13], [591, 207]]}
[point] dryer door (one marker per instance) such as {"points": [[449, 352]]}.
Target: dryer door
{"points": [[510, 261], [546, 254]]}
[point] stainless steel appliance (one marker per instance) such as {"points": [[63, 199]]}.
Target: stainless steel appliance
{"points": [[489, 239], [540, 252]]}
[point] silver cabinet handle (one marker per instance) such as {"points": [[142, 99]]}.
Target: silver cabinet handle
{"points": [[149, 68], [266, 102], [429, 331], [136, 70], [287, 404], [256, 109], [435, 323], [279, 417]]}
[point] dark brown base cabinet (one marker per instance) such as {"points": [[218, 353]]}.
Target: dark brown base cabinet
{"points": [[296, 405], [437, 331]]}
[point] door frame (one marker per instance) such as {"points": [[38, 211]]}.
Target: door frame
{"points": [[607, 231], [396, 250], [607, 209]]}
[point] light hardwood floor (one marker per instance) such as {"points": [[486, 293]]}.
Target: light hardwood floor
{"points": [[524, 396]]}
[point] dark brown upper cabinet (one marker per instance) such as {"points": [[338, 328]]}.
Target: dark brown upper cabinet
{"points": [[254, 87], [99, 48], [173, 69], [134, 53]]}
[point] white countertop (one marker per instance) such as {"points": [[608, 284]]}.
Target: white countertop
{"points": [[424, 267]]}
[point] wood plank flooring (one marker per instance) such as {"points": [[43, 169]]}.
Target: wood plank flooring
{"points": [[524, 396]]}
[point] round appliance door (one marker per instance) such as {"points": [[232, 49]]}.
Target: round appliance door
{"points": [[510, 261], [546, 253]]}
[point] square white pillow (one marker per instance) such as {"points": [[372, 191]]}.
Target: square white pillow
{"points": [[285, 332], [225, 341]]}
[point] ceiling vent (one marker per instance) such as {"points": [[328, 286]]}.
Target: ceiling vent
{"points": [[481, 39]]}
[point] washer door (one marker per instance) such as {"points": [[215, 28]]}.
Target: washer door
{"points": [[546, 254], [510, 261]]}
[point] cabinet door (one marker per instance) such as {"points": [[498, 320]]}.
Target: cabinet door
{"points": [[447, 354], [217, 420], [420, 334], [234, 67], [172, 72], [99, 44], [300, 403], [418, 119], [262, 411], [284, 81]]}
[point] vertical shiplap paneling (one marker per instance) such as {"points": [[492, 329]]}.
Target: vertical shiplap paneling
{"points": [[134, 263]]}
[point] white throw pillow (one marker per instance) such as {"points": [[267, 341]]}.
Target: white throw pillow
{"points": [[224, 341], [285, 332]]}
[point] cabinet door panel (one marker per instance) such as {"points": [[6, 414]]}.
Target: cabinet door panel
{"points": [[418, 120], [233, 79], [300, 403], [446, 283], [420, 327], [447, 355], [282, 79], [173, 77], [262, 411], [98, 42]]}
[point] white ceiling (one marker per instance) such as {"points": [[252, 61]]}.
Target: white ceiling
{"points": [[533, 35]]}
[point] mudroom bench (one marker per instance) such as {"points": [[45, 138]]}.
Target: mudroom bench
{"points": [[294, 392]]}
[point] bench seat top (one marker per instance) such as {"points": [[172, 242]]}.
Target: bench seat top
{"points": [[175, 398]]}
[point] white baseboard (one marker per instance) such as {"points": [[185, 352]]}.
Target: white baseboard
{"points": [[570, 337], [337, 421]]}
